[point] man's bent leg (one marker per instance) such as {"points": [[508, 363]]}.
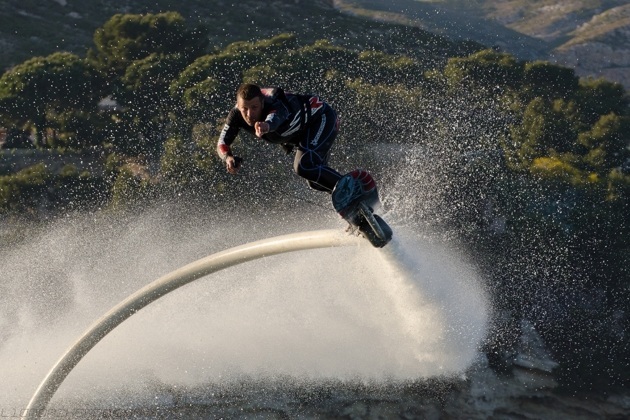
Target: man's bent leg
{"points": [[312, 154]]}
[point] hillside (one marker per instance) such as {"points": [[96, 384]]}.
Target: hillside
{"points": [[40, 27], [463, 22], [552, 21], [590, 36]]}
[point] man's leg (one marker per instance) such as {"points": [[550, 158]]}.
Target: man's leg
{"points": [[312, 153]]}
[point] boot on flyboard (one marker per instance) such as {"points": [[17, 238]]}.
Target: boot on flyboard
{"points": [[355, 197]]}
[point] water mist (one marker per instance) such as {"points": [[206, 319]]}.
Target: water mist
{"points": [[408, 311]]}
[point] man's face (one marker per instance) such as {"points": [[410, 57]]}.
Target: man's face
{"points": [[250, 110]]}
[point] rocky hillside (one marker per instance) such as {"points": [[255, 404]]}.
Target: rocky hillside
{"points": [[593, 37], [601, 47]]}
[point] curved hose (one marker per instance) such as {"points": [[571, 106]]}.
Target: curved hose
{"points": [[166, 284]]}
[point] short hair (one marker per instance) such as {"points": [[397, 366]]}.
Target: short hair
{"points": [[248, 91]]}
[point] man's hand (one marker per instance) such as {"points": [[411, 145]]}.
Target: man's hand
{"points": [[261, 128], [233, 164]]}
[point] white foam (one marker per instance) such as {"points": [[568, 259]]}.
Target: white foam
{"points": [[407, 311]]}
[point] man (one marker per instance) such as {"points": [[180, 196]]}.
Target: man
{"points": [[304, 122]]}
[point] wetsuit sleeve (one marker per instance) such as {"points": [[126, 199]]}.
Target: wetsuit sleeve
{"points": [[278, 114], [228, 134]]}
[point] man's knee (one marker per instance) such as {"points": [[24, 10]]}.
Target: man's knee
{"points": [[304, 171], [306, 167]]}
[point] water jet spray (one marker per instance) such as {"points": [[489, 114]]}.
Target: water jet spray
{"points": [[166, 284]]}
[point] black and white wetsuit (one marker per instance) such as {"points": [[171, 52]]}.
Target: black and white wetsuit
{"points": [[302, 121]]}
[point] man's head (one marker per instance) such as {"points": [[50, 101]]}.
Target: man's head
{"points": [[249, 101]]}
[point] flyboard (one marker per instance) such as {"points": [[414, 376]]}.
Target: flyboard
{"points": [[355, 197]]}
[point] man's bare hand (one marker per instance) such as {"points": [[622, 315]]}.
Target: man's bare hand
{"points": [[232, 165], [261, 128]]}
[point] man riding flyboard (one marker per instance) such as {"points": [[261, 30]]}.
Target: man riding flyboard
{"points": [[309, 125]]}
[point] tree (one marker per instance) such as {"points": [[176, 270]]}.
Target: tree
{"points": [[547, 128], [37, 91], [549, 81], [485, 70], [22, 191], [148, 103], [207, 86], [600, 97], [140, 56], [126, 38], [607, 143]]}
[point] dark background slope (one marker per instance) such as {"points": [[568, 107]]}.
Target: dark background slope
{"points": [[40, 27]]}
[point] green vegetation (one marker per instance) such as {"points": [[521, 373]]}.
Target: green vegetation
{"points": [[35, 189], [56, 92], [560, 180]]}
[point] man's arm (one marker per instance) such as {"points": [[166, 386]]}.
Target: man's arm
{"points": [[226, 138], [223, 146], [279, 112]]}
